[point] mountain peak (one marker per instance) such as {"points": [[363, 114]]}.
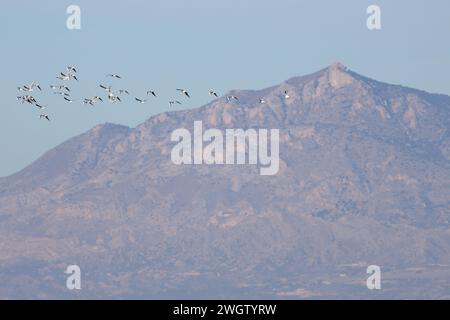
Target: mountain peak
{"points": [[337, 67], [337, 76]]}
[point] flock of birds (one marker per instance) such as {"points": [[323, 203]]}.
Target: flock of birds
{"points": [[112, 95]]}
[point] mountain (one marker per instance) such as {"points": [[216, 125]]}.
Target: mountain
{"points": [[364, 179]]}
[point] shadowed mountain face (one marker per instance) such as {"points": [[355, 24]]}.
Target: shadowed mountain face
{"points": [[364, 180]]}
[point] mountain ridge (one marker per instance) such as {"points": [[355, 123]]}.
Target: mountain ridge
{"points": [[335, 68]]}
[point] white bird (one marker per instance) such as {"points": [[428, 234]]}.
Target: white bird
{"points": [[24, 88], [36, 85], [140, 100], [66, 77], [88, 101], [62, 93], [261, 100], [113, 98], [45, 116], [112, 75], [71, 69], [122, 91], [39, 106], [231, 97], [153, 93], [63, 77], [286, 94], [30, 88], [184, 91], [54, 87], [92, 100], [68, 100], [172, 102], [108, 89], [213, 93], [27, 98]]}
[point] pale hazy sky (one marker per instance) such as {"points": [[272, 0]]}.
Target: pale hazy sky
{"points": [[198, 44]]}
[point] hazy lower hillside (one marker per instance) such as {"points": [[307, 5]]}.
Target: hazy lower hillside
{"points": [[364, 179]]}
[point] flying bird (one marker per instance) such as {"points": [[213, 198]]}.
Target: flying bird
{"points": [[54, 87], [172, 102], [68, 100], [153, 93], [140, 100], [66, 77], [27, 98], [62, 93], [184, 91], [213, 93], [108, 89], [261, 100], [113, 98], [30, 88], [92, 100], [21, 99], [229, 98], [44, 116], [286, 94], [88, 101], [112, 75], [71, 69], [122, 91]]}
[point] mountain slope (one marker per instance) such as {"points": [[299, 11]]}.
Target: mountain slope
{"points": [[364, 179]]}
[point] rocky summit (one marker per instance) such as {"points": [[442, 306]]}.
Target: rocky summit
{"points": [[364, 179]]}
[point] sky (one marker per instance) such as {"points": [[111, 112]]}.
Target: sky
{"points": [[199, 45]]}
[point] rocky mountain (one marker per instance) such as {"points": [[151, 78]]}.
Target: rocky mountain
{"points": [[364, 179]]}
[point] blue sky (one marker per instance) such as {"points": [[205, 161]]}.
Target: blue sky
{"points": [[198, 44]]}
